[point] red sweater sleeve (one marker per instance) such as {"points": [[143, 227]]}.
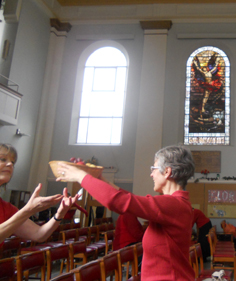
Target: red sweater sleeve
{"points": [[199, 218], [146, 207]]}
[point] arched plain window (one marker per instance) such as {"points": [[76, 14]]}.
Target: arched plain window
{"points": [[207, 100], [103, 97]]}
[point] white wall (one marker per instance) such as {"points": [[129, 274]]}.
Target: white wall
{"points": [[121, 157], [27, 70]]}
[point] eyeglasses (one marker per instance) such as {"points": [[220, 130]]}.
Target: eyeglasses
{"points": [[152, 168]]}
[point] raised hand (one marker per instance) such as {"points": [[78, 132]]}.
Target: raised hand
{"points": [[37, 203], [66, 203], [70, 173]]}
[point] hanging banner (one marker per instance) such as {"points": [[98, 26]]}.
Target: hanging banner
{"points": [[222, 196]]}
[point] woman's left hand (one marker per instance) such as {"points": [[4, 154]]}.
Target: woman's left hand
{"points": [[66, 203], [37, 203]]}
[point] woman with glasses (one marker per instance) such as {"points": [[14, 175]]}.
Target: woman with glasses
{"points": [[167, 239]]}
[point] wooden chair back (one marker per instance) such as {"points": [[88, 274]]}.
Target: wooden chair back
{"points": [[7, 269], [200, 264], [102, 228], [108, 238], [138, 252], [91, 271], [29, 264], [110, 226], [69, 276], [110, 266], [193, 261], [69, 235], [83, 234], [11, 247], [57, 253], [110, 220], [93, 234], [97, 221], [125, 259], [75, 225], [77, 252], [65, 226], [211, 240]]}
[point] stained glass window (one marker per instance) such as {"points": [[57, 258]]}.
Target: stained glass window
{"points": [[207, 101]]}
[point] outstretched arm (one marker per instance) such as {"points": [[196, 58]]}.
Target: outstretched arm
{"points": [[34, 205], [30, 230], [19, 223], [72, 173]]}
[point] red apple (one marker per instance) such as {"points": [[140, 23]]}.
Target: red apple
{"points": [[80, 163], [73, 160]]}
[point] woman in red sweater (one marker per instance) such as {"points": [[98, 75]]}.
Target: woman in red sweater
{"points": [[166, 241], [17, 222]]}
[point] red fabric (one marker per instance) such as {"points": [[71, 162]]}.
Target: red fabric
{"points": [[166, 241], [69, 215], [7, 210], [199, 218], [128, 230]]}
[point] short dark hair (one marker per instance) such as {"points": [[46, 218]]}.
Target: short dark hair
{"points": [[179, 159]]}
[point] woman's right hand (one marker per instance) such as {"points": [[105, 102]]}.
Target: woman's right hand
{"points": [[70, 173], [37, 203], [66, 203]]}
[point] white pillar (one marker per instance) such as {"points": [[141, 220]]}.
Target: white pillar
{"points": [[47, 111], [151, 103]]}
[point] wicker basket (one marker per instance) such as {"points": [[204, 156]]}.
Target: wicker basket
{"points": [[94, 171]]}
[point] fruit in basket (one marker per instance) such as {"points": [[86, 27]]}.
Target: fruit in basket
{"points": [[73, 160], [80, 163], [90, 165]]}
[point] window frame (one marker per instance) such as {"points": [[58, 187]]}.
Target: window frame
{"points": [[78, 90], [203, 137]]}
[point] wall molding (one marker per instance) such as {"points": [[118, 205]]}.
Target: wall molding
{"points": [[60, 26], [206, 35]]}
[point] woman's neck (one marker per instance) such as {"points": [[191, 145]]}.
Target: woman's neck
{"points": [[171, 187]]}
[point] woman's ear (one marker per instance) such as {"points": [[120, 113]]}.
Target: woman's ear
{"points": [[168, 172]]}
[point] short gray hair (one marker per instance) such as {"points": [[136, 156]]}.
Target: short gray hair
{"points": [[179, 159]]}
